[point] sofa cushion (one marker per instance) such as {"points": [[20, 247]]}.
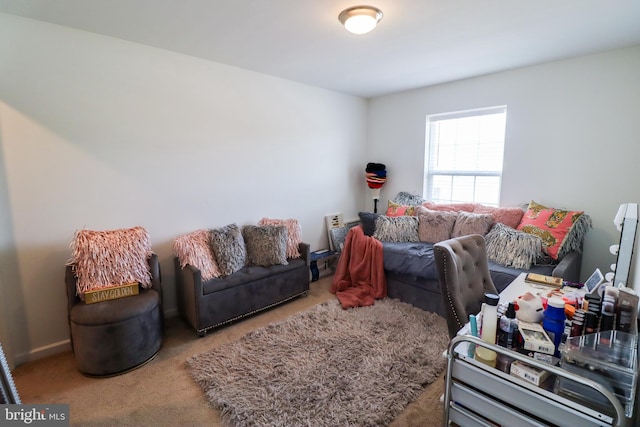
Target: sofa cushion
{"points": [[512, 248], [470, 223], [249, 274], [294, 234], [434, 226], [396, 229], [510, 216], [103, 259], [551, 225], [195, 249], [266, 244], [229, 249]]}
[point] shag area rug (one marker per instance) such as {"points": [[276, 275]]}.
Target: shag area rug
{"points": [[326, 367]]}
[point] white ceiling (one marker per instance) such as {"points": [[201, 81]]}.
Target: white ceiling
{"points": [[417, 43]]}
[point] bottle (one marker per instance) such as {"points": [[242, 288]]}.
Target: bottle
{"points": [[489, 326], [507, 337], [553, 321], [508, 328]]}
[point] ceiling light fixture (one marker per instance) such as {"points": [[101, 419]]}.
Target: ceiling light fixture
{"points": [[360, 19]]}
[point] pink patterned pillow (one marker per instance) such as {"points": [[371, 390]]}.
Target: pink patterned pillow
{"points": [[103, 259], [294, 234], [195, 249], [550, 224], [396, 209]]}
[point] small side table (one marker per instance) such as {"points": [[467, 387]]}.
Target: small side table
{"points": [[323, 255]]}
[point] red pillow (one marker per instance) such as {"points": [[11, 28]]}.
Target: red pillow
{"points": [[551, 225]]}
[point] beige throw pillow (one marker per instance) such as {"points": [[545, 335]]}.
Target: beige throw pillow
{"points": [[470, 223], [435, 226]]}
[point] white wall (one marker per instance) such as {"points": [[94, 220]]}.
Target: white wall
{"points": [[100, 133], [572, 139]]}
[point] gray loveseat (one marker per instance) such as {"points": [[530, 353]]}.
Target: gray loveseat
{"points": [[208, 304]]}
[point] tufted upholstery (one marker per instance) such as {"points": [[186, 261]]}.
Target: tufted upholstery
{"points": [[463, 274]]}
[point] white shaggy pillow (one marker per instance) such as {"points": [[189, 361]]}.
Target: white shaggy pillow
{"points": [[195, 249], [512, 248], [396, 229], [103, 259]]}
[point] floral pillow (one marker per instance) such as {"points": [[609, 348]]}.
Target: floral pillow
{"points": [[551, 225], [396, 209]]}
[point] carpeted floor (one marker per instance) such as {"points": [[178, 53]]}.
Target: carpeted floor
{"points": [[162, 393]]}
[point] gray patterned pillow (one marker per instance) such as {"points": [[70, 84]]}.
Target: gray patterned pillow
{"points": [[396, 229], [512, 248], [266, 244], [470, 223], [229, 248]]}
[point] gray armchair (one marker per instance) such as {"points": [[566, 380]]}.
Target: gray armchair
{"points": [[463, 275], [113, 337]]}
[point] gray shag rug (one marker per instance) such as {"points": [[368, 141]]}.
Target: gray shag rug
{"points": [[326, 367]]}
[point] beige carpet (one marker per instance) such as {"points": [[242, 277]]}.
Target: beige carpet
{"points": [[162, 393]]}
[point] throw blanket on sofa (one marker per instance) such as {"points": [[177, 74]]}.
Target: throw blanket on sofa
{"points": [[359, 278]]}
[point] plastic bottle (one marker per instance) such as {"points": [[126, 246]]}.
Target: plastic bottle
{"points": [[507, 336], [489, 326], [553, 322], [508, 328]]}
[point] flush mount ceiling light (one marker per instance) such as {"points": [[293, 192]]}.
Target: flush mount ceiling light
{"points": [[360, 19]]}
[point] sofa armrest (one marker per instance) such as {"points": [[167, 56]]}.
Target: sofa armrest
{"points": [[569, 267], [305, 252], [189, 290], [156, 278]]}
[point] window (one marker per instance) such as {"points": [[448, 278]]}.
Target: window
{"points": [[464, 155]]}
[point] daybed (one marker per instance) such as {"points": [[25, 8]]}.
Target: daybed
{"points": [[255, 283], [409, 265]]}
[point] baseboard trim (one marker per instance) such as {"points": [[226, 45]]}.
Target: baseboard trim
{"points": [[44, 351], [62, 346]]}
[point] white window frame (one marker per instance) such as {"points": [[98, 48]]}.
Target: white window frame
{"points": [[430, 172]]}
